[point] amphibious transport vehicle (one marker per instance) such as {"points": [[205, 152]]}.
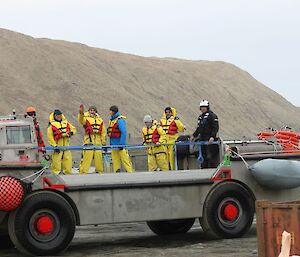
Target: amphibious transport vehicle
{"points": [[39, 211]]}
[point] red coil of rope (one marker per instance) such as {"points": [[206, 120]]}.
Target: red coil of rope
{"points": [[12, 193]]}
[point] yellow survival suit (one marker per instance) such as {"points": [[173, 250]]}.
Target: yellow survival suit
{"points": [[172, 126], [95, 134], [59, 133], [154, 136]]}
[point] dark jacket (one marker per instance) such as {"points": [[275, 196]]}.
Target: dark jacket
{"points": [[208, 126]]}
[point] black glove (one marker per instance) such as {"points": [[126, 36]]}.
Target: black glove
{"points": [[57, 151]]}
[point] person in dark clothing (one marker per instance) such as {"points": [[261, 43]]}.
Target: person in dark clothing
{"points": [[207, 130]]}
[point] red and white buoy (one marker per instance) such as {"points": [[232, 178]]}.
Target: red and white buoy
{"points": [[12, 193]]}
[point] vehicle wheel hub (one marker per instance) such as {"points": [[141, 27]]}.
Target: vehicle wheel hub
{"points": [[44, 224], [231, 212]]}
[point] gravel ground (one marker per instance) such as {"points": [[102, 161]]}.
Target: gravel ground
{"points": [[135, 239]]}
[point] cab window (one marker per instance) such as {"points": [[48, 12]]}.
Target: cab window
{"points": [[18, 135]]}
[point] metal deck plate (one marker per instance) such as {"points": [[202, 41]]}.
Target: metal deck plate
{"points": [[136, 179]]}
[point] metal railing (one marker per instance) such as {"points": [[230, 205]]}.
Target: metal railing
{"points": [[109, 148]]}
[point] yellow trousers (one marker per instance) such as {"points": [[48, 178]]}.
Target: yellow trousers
{"points": [[121, 156], [171, 157], [171, 139], [157, 158], [62, 161], [87, 158]]}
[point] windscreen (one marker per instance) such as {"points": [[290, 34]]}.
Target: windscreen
{"points": [[18, 135]]}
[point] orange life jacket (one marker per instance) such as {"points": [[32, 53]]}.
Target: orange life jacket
{"points": [[151, 135], [94, 128], [169, 126], [113, 130], [60, 129]]}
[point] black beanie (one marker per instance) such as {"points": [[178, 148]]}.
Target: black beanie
{"points": [[57, 112]]}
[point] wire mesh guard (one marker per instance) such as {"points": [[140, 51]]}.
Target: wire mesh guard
{"points": [[12, 193]]}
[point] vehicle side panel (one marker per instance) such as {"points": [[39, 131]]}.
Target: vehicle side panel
{"points": [[139, 204]]}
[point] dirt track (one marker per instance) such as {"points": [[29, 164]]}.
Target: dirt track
{"points": [[135, 239]]}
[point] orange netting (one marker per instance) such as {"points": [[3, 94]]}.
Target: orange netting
{"points": [[288, 139]]}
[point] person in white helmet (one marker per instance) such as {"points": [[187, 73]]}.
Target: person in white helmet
{"points": [[207, 130]]}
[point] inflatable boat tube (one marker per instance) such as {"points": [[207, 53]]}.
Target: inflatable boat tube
{"points": [[277, 174]]}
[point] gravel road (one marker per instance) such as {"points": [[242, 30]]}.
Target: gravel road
{"points": [[135, 239]]}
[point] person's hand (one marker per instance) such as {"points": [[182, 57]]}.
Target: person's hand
{"points": [[211, 140], [47, 157], [70, 134], [192, 138], [81, 109]]}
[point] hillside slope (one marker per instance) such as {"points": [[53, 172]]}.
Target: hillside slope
{"points": [[51, 74]]}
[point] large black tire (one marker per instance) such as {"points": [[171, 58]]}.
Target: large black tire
{"points": [[43, 225], [6, 243], [228, 211], [166, 227]]}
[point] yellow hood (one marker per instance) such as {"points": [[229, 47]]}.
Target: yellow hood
{"points": [[173, 112], [51, 117]]}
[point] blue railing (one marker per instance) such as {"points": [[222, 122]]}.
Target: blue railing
{"points": [[119, 147]]}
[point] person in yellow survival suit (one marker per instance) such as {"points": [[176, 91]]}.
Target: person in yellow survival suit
{"points": [[117, 134], [95, 134], [172, 126], [154, 137], [59, 133]]}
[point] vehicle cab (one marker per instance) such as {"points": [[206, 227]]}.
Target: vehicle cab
{"points": [[18, 143]]}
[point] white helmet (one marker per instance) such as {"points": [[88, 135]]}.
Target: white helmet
{"points": [[148, 118], [204, 103]]}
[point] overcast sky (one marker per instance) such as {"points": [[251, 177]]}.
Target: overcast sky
{"points": [[260, 36]]}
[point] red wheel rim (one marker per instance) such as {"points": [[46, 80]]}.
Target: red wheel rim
{"points": [[44, 224], [231, 212]]}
